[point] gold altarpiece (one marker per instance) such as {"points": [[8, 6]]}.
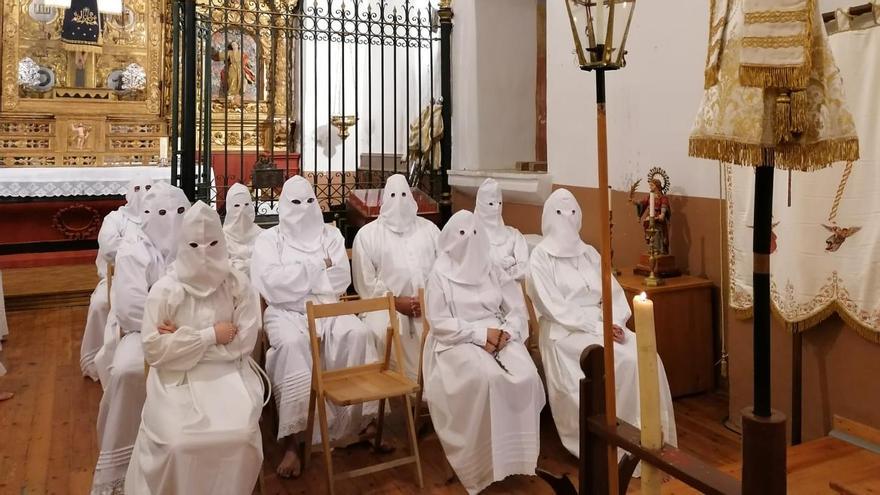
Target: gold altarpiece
{"points": [[78, 117], [82, 119]]}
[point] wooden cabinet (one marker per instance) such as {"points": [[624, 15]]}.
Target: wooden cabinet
{"points": [[685, 329]]}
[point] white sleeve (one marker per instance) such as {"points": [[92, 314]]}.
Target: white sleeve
{"points": [[445, 327], [364, 271], [281, 282], [549, 299], [514, 307], [130, 287], [338, 275], [520, 269], [178, 351]]}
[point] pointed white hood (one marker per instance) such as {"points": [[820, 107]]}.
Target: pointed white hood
{"points": [[202, 262], [299, 216], [161, 217], [464, 250], [135, 193], [399, 209], [488, 211], [240, 215], [561, 225]]}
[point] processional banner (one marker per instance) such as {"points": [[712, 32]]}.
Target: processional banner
{"points": [[826, 244]]}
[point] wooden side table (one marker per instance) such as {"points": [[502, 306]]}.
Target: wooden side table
{"points": [[684, 325]]}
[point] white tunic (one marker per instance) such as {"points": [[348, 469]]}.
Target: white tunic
{"points": [[121, 363], [510, 252], [240, 253], [568, 293], [116, 226], [200, 431], [383, 261], [487, 419], [287, 278]]}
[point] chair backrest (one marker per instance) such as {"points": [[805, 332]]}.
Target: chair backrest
{"points": [[315, 312], [426, 328], [534, 325]]}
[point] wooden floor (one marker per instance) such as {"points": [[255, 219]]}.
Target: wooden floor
{"points": [[47, 431]]}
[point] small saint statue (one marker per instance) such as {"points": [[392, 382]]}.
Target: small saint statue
{"points": [[656, 205], [237, 71]]}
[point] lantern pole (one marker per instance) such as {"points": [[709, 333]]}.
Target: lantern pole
{"points": [[605, 243]]}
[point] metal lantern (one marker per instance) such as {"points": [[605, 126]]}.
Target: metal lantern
{"points": [[600, 29]]}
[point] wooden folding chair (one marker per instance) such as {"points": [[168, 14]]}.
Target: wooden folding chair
{"points": [[534, 332], [359, 384], [426, 328]]}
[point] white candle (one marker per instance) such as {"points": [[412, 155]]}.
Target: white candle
{"points": [[163, 148], [600, 22], [609, 197], [651, 205], [649, 389]]}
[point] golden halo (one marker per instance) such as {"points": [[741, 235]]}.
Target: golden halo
{"points": [[663, 176]]}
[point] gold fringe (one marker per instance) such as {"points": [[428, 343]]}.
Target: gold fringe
{"points": [[81, 46], [774, 77], [801, 326], [791, 156], [799, 109], [782, 119]]}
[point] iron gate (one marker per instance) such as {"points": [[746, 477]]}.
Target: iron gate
{"points": [[343, 92]]}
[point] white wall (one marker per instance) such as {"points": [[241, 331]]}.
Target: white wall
{"points": [[494, 54], [651, 103]]}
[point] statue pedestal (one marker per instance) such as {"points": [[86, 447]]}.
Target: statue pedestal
{"points": [[665, 266]]}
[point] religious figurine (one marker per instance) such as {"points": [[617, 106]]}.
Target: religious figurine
{"points": [[655, 215], [236, 72], [79, 135]]}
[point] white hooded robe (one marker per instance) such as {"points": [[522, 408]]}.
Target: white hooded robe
{"points": [[288, 269], [487, 418], [200, 430], [566, 286], [239, 228], [395, 253], [118, 225], [139, 265], [510, 252]]}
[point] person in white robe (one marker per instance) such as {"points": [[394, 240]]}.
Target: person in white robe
{"points": [[299, 260], [239, 228], [200, 430], [566, 286], [395, 253], [117, 225], [509, 249], [482, 388], [139, 265]]}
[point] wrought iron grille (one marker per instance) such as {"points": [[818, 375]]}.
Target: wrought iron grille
{"points": [[343, 92]]}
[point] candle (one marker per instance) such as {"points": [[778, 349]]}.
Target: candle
{"points": [[163, 149], [649, 389], [609, 197], [651, 205], [600, 22]]}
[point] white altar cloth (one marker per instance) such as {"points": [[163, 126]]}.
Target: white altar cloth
{"points": [[70, 181]]}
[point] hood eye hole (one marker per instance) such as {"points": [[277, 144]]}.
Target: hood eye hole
{"points": [[147, 212], [572, 212], [403, 194], [296, 201], [499, 203], [310, 200], [393, 194], [491, 203], [247, 204], [475, 231], [237, 205], [181, 210], [213, 243], [147, 187], [559, 212], [460, 232], [162, 212], [137, 188], [193, 245]]}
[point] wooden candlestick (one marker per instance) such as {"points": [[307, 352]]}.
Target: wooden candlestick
{"points": [[649, 389]]}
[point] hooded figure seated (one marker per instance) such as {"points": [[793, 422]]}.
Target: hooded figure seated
{"points": [[200, 426], [482, 388], [139, 265], [300, 260], [395, 253], [239, 228], [509, 249]]}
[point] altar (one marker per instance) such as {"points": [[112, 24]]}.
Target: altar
{"points": [[54, 208]]}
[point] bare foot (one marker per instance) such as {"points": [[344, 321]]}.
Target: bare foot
{"points": [[5, 396], [290, 466]]}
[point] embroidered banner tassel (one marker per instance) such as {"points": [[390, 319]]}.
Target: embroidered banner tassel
{"points": [[782, 119]]}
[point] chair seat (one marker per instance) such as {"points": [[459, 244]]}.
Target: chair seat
{"points": [[367, 386]]}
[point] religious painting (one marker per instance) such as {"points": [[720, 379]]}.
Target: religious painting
{"points": [[234, 69]]}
